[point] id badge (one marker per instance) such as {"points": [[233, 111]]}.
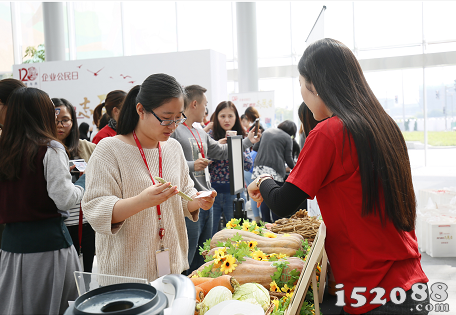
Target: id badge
{"points": [[81, 260], [163, 262], [207, 175]]}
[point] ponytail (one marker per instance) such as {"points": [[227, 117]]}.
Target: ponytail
{"points": [[128, 117], [97, 113]]}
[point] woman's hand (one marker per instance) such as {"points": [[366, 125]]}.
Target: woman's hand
{"points": [[208, 126], [206, 203], [223, 140], [156, 194], [254, 193], [251, 136]]}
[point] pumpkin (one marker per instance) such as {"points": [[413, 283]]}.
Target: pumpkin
{"points": [[281, 244], [256, 271]]}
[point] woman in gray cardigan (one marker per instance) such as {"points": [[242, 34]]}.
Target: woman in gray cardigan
{"points": [[276, 148]]}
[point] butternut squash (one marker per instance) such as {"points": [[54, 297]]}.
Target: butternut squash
{"points": [[252, 270], [287, 245]]}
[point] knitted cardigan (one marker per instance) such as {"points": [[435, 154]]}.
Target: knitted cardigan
{"points": [[116, 170]]}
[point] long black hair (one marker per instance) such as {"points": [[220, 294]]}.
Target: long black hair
{"points": [[155, 91], [113, 99], [290, 127], [384, 164], [29, 125], [219, 132], [307, 119], [72, 141]]}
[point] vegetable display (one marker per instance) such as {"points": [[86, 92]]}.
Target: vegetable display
{"points": [[253, 291], [300, 223], [215, 296], [268, 244]]}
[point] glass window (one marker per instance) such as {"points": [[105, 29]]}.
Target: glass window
{"points": [[205, 25], [32, 26], [150, 27], [380, 23], [6, 49], [98, 29], [400, 92]]}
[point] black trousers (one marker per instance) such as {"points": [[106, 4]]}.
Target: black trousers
{"points": [[88, 243]]}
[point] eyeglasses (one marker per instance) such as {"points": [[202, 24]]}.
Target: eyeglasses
{"points": [[65, 122], [168, 122]]}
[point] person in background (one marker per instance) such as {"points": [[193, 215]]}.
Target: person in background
{"points": [[67, 133], [85, 131], [226, 118], [207, 124], [245, 122], [7, 86], [124, 204], [252, 114], [37, 259], [103, 121], [113, 104], [276, 148], [198, 149], [356, 162]]}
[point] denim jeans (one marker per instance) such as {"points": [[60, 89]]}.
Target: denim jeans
{"points": [[223, 204], [198, 232], [248, 179]]}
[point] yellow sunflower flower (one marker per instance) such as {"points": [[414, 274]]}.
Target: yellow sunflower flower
{"points": [[270, 235], [289, 295], [276, 304], [286, 289], [259, 255], [286, 235], [281, 256], [228, 225], [252, 244], [273, 287], [256, 232], [195, 276], [229, 264], [245, 226]]}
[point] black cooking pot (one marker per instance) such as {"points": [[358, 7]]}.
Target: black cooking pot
{"points": [[119, 299]]}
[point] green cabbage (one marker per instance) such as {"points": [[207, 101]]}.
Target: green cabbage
{"points": [[253, 291], [215, 296]]}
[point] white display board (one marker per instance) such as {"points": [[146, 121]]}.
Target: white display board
{"points": [[85, 83], [263, 102]]}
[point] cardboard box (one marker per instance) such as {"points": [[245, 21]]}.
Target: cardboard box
{"points": [[441, 237]]}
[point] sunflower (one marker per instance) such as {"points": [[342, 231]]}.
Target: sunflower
{"points": [[286, 289], [273, 287], [259, 255], [289, 295], [228, 225], [286, 235], [276, 304], [281, 256], [229, 264], [252, 244], [195, 276], [256, 232], [270, 235]]}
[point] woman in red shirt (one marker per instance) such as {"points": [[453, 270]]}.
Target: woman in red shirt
{"points": [[356, 163], [113, 104]]}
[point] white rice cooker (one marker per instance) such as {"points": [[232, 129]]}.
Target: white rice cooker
{"points": [[168, 295]]}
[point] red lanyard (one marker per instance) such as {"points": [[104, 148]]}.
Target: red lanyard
{"points": [[161, 232], [197, 143]]}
